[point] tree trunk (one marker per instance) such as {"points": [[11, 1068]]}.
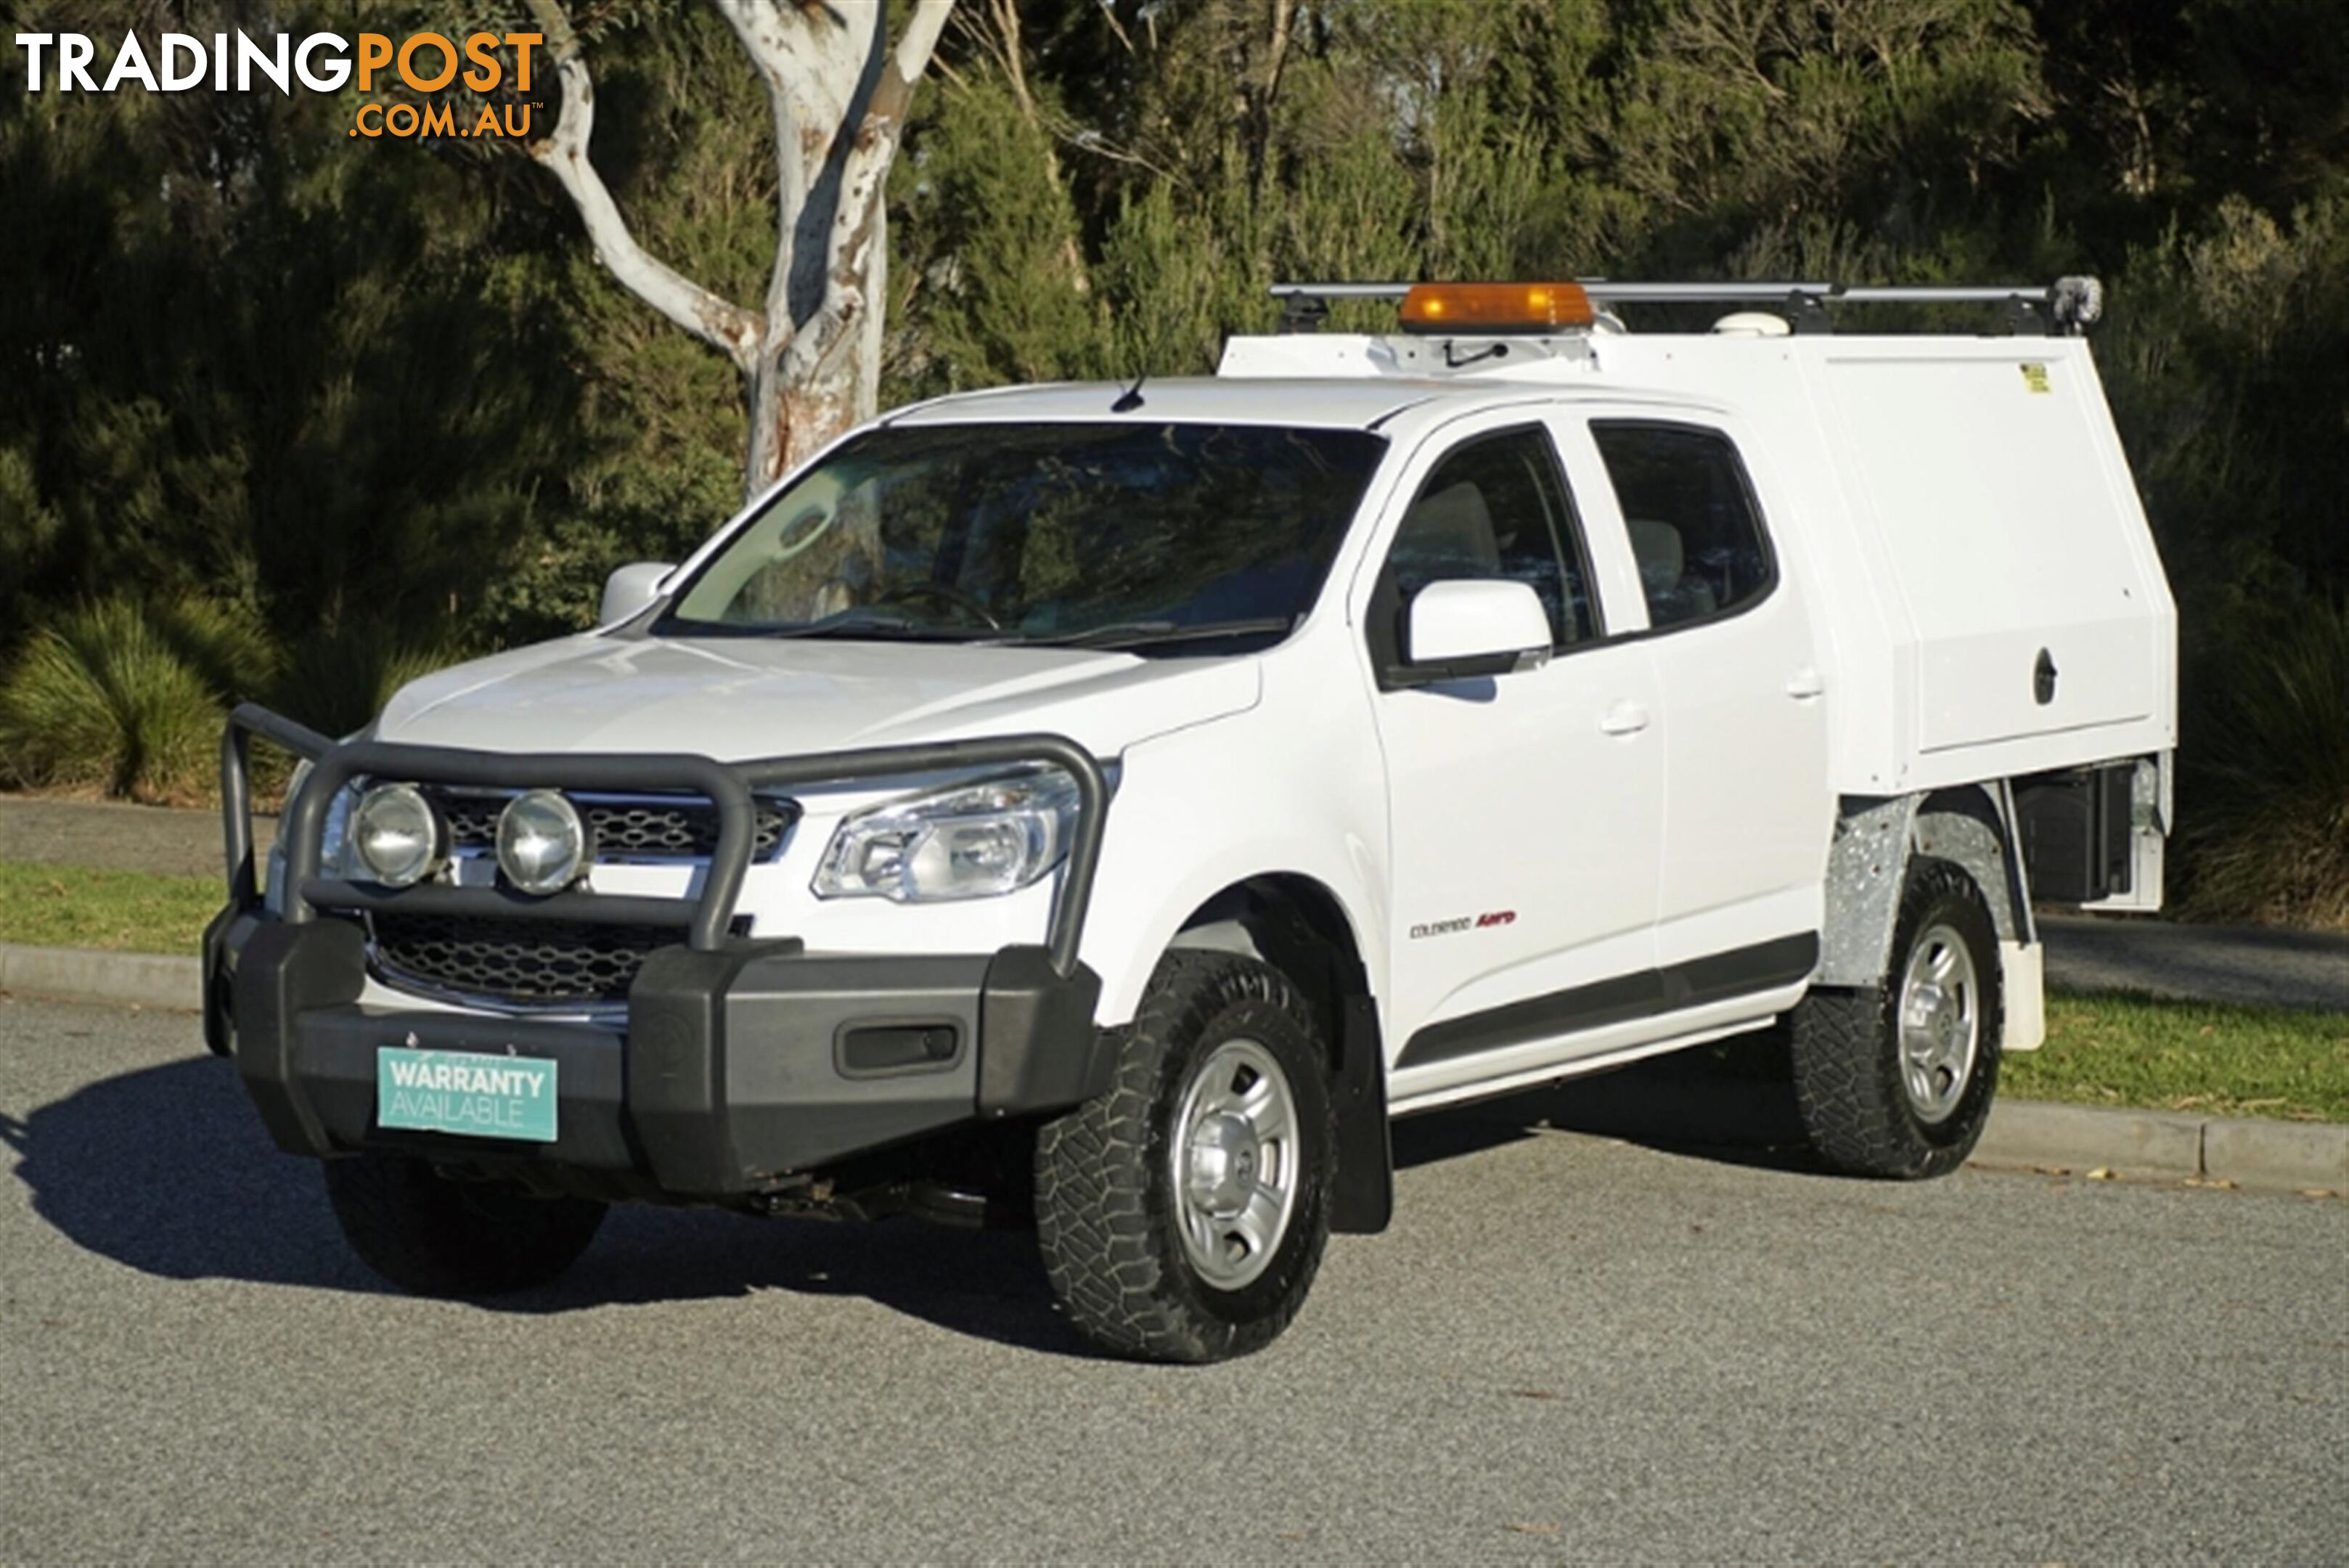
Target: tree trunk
{"points": [[793, 420], [810, 360], [824, 380]]}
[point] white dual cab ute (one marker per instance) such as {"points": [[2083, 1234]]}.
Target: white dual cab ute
{"points": [[1115, 803]]}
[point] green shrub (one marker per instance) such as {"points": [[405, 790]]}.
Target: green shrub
{"points": [[29, 530], [225, 643], [2264, 789], [127, 698], [103, 698]]}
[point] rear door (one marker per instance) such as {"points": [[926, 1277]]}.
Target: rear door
{"points": [[1526, 809], [1747, 810]]}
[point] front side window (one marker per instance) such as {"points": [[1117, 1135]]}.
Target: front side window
{"points": [[1126, 535], [1494, 508], [1690, 512]]}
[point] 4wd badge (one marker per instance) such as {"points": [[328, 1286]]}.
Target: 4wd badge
{"points": [[1484, 921]]}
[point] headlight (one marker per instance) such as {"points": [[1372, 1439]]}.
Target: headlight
{"points": [[333, 848], [973, 841], [396, 835], [543, 845], [334, 842]]}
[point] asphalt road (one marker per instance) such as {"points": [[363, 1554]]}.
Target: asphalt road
{"points": [[1568, 1347]]}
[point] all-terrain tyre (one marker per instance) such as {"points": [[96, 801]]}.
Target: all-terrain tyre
{"points": [[1182, 1214], [1895, 1080], [439, 1236]]}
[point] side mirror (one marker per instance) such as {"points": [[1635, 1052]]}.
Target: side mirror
{"points": [[631, 587], [1463, 630]]}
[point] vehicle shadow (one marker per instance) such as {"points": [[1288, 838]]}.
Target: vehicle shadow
{"points": [[166, 1171], [1732, 1103]]}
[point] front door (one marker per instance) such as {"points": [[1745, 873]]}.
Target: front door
{"points": [[1527, 808]]}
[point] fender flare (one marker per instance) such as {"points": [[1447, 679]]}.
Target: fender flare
{"points": [[1362, 1191]]}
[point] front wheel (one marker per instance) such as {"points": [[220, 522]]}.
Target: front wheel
{"points": [[1895, 1080], [1183, 1215]]}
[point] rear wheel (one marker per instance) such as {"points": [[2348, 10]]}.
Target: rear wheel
{"points": [[439, 1236], [1183, 1215], [1896, 1080]]}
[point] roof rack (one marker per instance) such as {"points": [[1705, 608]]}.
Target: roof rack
{"points": [[2069, 305]]}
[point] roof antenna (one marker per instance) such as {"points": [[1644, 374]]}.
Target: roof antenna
{"points": [[1131, 398]]}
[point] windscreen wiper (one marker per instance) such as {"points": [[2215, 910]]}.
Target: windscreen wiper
{"points": [[1140, 633], [855, 623]]}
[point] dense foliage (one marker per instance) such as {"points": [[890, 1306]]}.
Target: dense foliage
{"points": [[375, 398]]}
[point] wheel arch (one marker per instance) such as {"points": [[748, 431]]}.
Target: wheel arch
{"points": [[1300, 926], [1970, 825], [1973, 826], [1136, 920], [1289, 921]]}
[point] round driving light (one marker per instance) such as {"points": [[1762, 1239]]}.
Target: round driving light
{"points": [[398, 837], [543, 845]]}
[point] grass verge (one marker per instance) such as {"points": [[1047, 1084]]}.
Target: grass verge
{"points": [[2208, 1059], [127, 911]]}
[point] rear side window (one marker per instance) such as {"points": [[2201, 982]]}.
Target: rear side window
{"points": [[1493, 508], [1690, 511]]}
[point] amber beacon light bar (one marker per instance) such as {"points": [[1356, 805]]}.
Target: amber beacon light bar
{"points": [[2067, 306]]}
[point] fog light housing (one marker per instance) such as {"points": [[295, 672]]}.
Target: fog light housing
{"points": [[398, 838], [543, 844]]}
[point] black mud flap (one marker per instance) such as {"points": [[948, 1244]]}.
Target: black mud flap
{"points": [[1363, 1202]]}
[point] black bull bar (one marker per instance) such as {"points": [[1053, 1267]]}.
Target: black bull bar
{"points": [[729, 786]]}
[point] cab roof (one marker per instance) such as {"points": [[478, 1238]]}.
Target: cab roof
{"points": [[1333, 403], [1398, 406]]}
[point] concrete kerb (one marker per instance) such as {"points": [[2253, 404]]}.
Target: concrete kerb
{"points": [[2152, 1145], [122, 979], [2300, 1157], [2029, 1135], [2306, 1157]]}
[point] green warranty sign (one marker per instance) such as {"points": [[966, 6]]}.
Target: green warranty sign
{"points": [[465, 1092]]}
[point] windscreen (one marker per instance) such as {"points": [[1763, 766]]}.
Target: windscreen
{"points": [[1133, 534]]}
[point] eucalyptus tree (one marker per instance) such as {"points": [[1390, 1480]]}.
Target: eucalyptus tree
{"points": [[837, 91]]}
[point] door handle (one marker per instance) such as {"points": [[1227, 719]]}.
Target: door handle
{"points": [[1804, 684], [1624, 719]]}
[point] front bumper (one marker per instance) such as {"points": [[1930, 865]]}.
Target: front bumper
{"points": [[739, 1067], [733, 1074]]}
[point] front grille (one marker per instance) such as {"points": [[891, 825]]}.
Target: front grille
{"points": [[535, 963], [637, 827]]}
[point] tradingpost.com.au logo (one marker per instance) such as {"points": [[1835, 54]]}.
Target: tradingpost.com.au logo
{"points": [[424, 63]]}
